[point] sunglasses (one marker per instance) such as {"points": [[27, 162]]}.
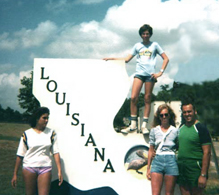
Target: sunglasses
{"points": [[162, 115]]}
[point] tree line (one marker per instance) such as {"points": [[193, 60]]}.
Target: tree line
{"points": [[9, 115], [26, 100], [204, 95]]}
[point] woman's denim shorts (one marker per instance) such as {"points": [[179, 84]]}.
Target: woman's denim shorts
{"points": [[165, 164]]}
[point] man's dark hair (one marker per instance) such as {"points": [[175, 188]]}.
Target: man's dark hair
{"points": [[187, 103]]}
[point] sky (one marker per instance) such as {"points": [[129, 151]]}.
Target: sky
{"points": [[187, 30]]}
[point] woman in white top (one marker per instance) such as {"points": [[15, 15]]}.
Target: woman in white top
{"points": [[35, 149], [163, 139]]}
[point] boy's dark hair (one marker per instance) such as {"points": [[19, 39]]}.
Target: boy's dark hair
{"points": [[144, 28], [37, 114]]}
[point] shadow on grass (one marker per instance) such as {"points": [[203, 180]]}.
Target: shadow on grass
{"points": [[9, 138], [212, 190]]}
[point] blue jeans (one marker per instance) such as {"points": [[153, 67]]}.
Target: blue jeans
{"points": [[165, 164]]}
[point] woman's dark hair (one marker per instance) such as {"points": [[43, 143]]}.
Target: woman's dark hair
{"points": [[157, 115], [37, 114], [144, 28]]}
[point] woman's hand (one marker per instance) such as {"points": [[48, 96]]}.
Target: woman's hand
{"points": [[58, 164], [18, 162], [14, 181], [60, 177], [148, 174], [156, 75]]}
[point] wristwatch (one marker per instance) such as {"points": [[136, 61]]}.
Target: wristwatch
{"points": [[203, 175]]}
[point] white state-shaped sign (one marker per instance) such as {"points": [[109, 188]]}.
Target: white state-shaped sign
{"points": [[84, 97]]}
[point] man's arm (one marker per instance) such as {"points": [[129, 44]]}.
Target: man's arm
{"points": [[202, 181]]}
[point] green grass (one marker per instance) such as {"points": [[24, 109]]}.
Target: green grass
{"points": [[212, 190], [10, 134], [8, 138]]}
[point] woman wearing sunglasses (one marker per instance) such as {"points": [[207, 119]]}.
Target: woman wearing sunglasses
{"points": [[163, 138]]}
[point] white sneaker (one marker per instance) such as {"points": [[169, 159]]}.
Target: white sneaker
{"points": [[128, 130], [144, 130]]}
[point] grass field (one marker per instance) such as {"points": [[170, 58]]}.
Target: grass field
{"points": [[9, 137]]}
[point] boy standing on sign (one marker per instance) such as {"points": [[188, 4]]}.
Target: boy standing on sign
{"points": [[146, 52]]}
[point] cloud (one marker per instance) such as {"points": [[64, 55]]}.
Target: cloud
{"points": [[87, 40], [7, 43], [6, 67], [187, 30], [25, 74], [31, 38], [9, 88], [9, 99], [27, 38], [12, 80], [9, 84], [57, 6], [9, 80]]}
